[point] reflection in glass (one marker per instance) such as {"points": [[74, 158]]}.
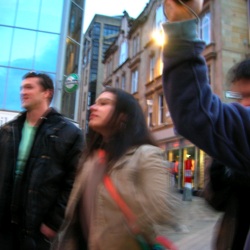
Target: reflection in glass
{"points": [[28, 14], [75, 23], [71, 66], [6, 35], [68, 104], [3, 76], [32, 43], [12, 94], [23, 49], [50, 20], [46, 52], [72, 57], [7, 12]]}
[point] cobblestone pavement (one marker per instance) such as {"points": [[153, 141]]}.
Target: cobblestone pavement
{"points": [[198, 222]]}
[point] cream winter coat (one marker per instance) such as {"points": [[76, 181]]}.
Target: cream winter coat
{"points": [[142, 180]]}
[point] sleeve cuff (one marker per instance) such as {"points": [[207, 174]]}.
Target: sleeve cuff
{"points": [[187, 30]]}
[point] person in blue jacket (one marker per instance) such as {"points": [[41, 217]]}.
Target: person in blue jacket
{"points": [[228, 193], [221, 130]]}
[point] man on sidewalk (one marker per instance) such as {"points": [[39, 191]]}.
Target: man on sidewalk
{"points": [[39, 154]]}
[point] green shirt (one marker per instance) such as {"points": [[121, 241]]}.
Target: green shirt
{"points": [[28, 135]]}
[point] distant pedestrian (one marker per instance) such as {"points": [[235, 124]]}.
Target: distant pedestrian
{"points": [[136, 167], [175, 170], [39, 154]]}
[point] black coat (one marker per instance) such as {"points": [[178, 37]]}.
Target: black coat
{"points": [[227, 190], [49, 172]]}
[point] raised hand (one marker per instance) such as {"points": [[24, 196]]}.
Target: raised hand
{"points": [[176, 11]]}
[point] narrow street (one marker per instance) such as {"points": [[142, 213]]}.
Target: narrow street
{"points": [[198, 222]]}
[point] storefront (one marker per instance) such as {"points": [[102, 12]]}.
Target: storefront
{"points": [[186, 159], [6, 116]]}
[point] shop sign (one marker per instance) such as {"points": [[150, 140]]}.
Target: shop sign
{"points": [[71, 83]]}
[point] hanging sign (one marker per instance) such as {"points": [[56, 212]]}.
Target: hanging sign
{"points": [[71, 83]]}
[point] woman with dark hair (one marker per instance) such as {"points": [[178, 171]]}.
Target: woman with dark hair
{"points": [[134, 164]]}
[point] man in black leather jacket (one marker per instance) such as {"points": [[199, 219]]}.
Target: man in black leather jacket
{"points": [[39, 155]]}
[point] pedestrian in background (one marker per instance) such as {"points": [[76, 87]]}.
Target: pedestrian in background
{"points": [[39, 151], [221, 130], [136, 167]]}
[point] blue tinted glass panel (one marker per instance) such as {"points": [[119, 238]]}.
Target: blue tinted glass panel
{"points": [[28, 14], [13, 101], [23, 48], [6, 34], [75, 23], [51, 15], [46, 52], [7, 12], [3, 76]]}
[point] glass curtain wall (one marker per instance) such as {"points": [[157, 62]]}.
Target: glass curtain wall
{"points": [[72, 58], [30, 33]]}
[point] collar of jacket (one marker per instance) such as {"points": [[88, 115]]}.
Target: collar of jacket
{"points": [[123, 159], [47, 115]]}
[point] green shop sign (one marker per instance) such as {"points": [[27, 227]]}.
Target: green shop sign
{"points": [[71, 83]]}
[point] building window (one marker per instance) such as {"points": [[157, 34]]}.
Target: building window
{"points": [[205, 28], [136, 45], [123, 52], [151, 68], [161, 109], [159, 17], [134, 82], [84, 102], [157, 30], [209, 73], [74, 30], [109, 68], [123, 82], [150, 113], [110, 30], [117, 83]]}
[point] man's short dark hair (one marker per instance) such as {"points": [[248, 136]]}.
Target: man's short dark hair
{"points": [[239, 71], [45, 81]]}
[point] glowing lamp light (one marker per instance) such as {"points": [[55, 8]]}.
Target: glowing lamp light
{"points": [[158, 37]]}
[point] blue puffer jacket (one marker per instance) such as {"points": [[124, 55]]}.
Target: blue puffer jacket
{"points": [[49, 172], [221, 130]]}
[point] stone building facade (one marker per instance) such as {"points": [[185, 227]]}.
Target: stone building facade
{"points": [[134, 63]]}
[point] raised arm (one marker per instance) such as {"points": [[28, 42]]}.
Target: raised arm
{"points": [[222, 130]]}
